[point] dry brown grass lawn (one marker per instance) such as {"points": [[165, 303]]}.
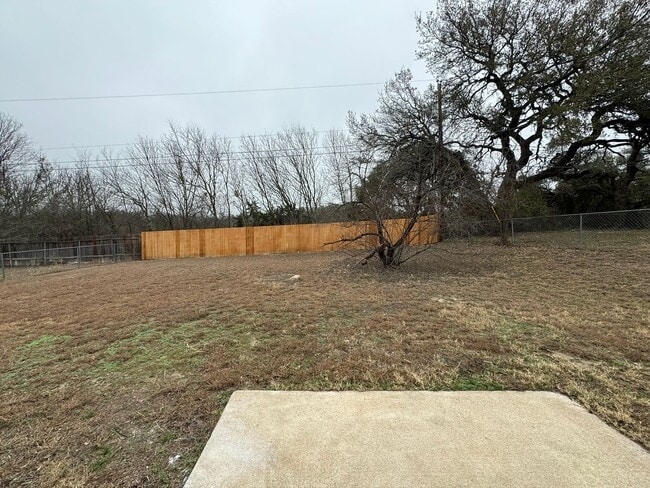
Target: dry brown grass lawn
{"points": [[107, 374]]}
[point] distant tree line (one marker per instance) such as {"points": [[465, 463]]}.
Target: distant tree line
{"points": [[185, 179], [542, 106]]}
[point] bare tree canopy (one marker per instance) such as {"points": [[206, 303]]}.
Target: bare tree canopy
{"points": [[23, 178], [286, 174], [15, 148], [405, 171]]}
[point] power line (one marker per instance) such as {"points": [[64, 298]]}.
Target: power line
{"points": [[60, 148], [198, 93], [165, 161], [280, 151]]}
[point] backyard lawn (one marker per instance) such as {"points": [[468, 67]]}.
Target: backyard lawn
{"points": [[117, 374]]}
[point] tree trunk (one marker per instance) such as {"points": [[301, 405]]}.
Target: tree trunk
{"points": [[504, 206], [631, 170]]}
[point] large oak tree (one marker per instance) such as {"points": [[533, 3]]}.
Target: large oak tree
{"points": [[537, 82]]}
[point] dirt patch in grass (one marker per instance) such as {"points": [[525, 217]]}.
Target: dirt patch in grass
{"points": [[116, 375]]}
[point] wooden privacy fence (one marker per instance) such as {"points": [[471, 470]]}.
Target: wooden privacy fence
{"points": [[240, 241]]}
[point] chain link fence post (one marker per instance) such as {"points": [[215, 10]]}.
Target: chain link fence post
{"points": [[512, 229], [582, 238], [2, 260]]}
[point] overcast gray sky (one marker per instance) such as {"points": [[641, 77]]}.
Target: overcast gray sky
{"points": [[87, 48]]}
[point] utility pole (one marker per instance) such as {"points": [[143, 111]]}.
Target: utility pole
{"points": [[439, 156], [440, 140]]}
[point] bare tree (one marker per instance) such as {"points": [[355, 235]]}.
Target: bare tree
{"points": [[269, 176], [299, 149], [239, 191], [77, 204], [128, 187], [15, 148], [210, 159], [407, 172], [186, 151], [24, 177], [344, 172], [285, 173], [221, 157], [146, 156]]}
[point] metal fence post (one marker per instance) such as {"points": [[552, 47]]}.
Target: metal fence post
{"points": [[79, 254], [512, 228], [581, 234], [2, 260], [45, 254]]}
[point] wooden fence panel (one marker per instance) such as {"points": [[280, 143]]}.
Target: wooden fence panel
{"points": [[159, 244], [240, 241], [426, 231], [225, 242], [352, 230], [268, 240], [189, 243], [318, 236]]}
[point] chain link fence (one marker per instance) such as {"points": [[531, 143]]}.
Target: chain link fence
{"points": [[614, 231], [67, 254], [592, 231], [460, 229]]}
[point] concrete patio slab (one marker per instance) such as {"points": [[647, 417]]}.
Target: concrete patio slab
{"points": [[411, 439]]}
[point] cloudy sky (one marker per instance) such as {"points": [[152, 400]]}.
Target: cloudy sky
{"points": [[89, 48]]}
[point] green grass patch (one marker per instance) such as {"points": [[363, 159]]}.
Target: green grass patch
{"points": [[31, 358], [149, 350], [475, 383], [105, 454], [152, 348], [43, 340]]}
